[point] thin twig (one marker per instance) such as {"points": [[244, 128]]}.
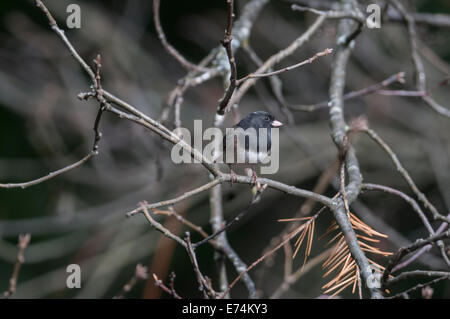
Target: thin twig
{"points": [[374, 88], [140, 273], [180, 218], [421, 251], [353, 13], [172, 51], [374, 136], [24, 240], [160, 227], [255, 199], [419, 286], [397, 257], [233, 70], [401, 93], [204, 287], [332, 14], [338, 133], [420, 75], [292, 278], [221, 247], [192, 79], [416, 273], [217, 221], [291, 67], [171, 290], [198, 190], [131, 113], [408, 199], [342, 155], [431, 19], [267, 254], [50, 175]]}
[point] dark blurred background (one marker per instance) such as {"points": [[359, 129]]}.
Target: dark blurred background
{"points": [[79, 217]]}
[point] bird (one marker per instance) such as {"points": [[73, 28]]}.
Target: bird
{"points": [[243, 149]]}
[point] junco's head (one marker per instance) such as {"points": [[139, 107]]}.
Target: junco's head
{"points": [[257, 120]]}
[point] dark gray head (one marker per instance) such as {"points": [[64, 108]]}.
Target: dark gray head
{"points": [[259, 119]]}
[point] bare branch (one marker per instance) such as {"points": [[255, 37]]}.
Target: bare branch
{"points": [[171, 290], [67, 43], [267, 254], [136, 115], [431, 19], [175, 200], [398, 77], [416, 273], [421, 251], [160, 227], [417, 60], [307, 61], [97, 136], [338, 125], [355, 15], [50, 175], [140, 273], [180, 218], [255, 199], [401, 93], [274, 59], [394, 260], [217, 222], [172, 51], [419, 286], [374, 136], [222, 246], [408, 199], [24, 240], [204, 286], [292, 278], [233, 71]]}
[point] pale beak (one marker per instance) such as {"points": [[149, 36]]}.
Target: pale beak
{"points": [[276, 123]]}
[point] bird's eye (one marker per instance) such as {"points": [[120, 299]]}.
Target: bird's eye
{"points": [[267, 118]]}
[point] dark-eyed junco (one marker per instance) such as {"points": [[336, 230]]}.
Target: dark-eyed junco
{"points": [[250, 140]]}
